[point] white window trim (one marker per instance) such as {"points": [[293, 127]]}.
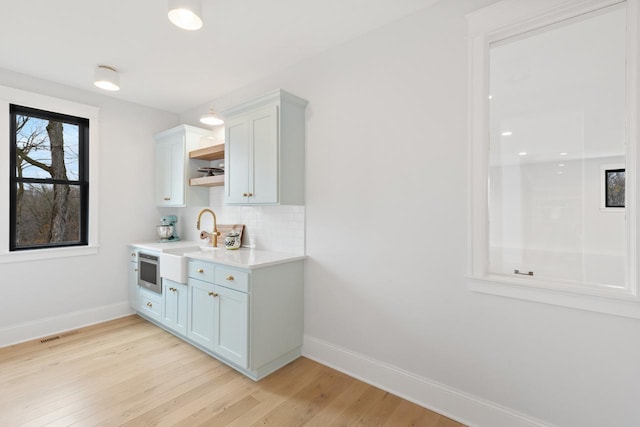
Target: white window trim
{"points": [[506, 19], [29, 99]]}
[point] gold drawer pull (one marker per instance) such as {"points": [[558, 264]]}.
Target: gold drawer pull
{"points": [[173, 289], [213, 294], [167, 198], [245, 194], [200, 270], [230, 277], [149, 304], [133, 254]]}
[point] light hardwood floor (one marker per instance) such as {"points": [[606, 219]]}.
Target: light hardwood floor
{"points": [[130, 372]]}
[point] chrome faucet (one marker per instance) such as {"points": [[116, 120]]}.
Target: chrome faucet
{"points": [[214, 235]]}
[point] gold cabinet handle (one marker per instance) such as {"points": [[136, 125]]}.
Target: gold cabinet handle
{"points": [[245, 194], [135, 269], [213, 294], [200, 270], [149, 304], [250, 194], [167, 198], [173, 289], [133, 254], [230, 278]]}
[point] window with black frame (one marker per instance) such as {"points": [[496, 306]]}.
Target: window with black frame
{"points": [[614, 188], [49, 179]]}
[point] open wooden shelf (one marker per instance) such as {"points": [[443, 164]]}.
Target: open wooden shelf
{"points": [[214, 152], [208, 181]]}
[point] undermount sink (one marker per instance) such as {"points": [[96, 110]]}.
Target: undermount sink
{"points": [[173, 264]]}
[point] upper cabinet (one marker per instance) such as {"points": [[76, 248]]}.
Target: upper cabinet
{"points": [[265, 149], [173, 169]]}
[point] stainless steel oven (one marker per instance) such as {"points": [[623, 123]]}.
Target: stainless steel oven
{"points": [[149, 272]]}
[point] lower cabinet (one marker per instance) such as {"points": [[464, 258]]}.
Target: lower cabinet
{"points": [[231, 310], [201, 313], [218, 320], [251, 320], [133, 278], [175, 306], [150, 303]]}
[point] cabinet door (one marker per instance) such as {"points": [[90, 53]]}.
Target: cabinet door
{"points": [[237, 160], [230, 326], [201, 313], [174, 312], [263, 175], [169, 171], [150, 303], [133, 284]]}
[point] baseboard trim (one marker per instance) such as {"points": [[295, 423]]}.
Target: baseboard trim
{"points": [[15, 334], [455, 404]]}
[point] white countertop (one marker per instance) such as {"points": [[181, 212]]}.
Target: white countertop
{"points": [[242, 258], [166, 246]]}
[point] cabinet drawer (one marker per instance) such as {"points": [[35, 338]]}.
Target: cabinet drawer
{"points": [[230, 278], [150, 303], [200, 270]]}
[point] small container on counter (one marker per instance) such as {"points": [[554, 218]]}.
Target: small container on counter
{"points": [[232, 240]]}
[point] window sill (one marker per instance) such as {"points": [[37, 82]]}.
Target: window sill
{"points": [[616, 302], [41, 254]]}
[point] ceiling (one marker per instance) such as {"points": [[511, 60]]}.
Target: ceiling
{"points": [[164, 67]]}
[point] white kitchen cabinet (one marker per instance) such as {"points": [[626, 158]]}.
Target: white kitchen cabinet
{"points": [[174, 307], [174, 169], [133, 278], [265, 149]]}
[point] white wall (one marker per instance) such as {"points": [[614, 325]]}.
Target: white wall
{"points": [[44, 297], [386, 297]]}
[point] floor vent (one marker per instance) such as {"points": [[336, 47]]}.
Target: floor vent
{"points": [[56, 337]]}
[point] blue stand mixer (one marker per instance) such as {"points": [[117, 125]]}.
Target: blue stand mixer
{"points": [[167, 229]]}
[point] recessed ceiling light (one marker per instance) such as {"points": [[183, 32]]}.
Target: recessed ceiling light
{"points": [[490, 96], [561, 164], [522, 153], [563, 154], [507, 133]]}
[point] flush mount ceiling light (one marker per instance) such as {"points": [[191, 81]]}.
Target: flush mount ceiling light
{"points": [[107, 78], [211, 119], [186, 14]]}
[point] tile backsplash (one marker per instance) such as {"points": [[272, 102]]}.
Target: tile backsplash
{"points": [[274, 228]]}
